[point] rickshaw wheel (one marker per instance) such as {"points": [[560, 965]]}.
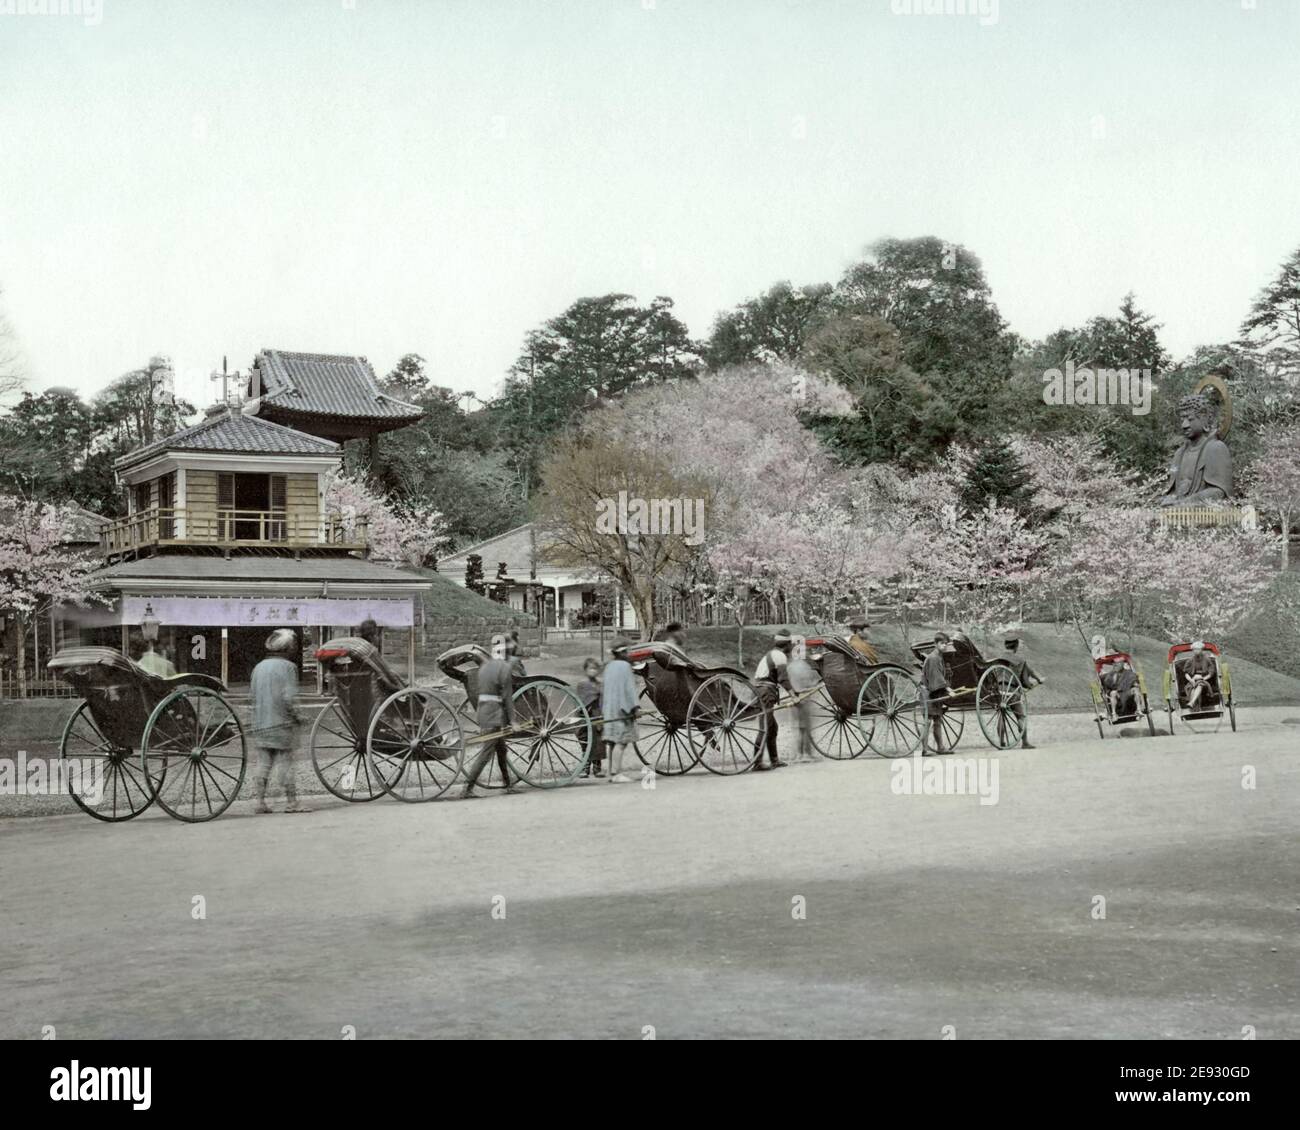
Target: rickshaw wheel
{"points": [[338, 754], [888, 701], [194, 754], [726, 724], [552, 736], [836, 733], [124, 792], [415, 745], [662, 744], [996, 696]]}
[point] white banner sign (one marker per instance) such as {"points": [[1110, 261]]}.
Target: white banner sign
{"points": [[223, 612]]}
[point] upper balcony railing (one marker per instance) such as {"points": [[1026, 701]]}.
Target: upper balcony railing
{"points": [[170, 526]]}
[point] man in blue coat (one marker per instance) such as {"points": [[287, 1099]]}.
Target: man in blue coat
{"points": [[618, 700], [274, 693]]}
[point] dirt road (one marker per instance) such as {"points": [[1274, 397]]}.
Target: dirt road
{"points": [[813, 901]]}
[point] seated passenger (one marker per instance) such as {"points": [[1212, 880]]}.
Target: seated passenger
{"points": [[674, 632], [517, 668], [1201, 672], [156, 663], [857, 639], [1120, 682]]}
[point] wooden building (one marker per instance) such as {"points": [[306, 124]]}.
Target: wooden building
{"points": [[227, 534]]}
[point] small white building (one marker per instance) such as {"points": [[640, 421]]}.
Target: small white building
{"points": [[514, 565]]}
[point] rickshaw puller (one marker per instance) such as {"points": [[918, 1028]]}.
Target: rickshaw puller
{"points": [[1028, 678], [934, 688], [771, 675], [274, 693], [619, 710], [495, 690]]}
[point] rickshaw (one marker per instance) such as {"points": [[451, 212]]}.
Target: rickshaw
{"points": [[175, 741], [693, 714], [1215, 699], [377, 735], [1121, 712], [861, 705], [991, 688], [553, 735]]}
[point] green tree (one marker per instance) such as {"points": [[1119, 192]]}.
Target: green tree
{"points": [[45, 444], [998, 477], [450, 459], [899, 417], [1273, 324], [935, 294], [139, 407], [1129, 340], [599, 348], [775, 326], [408, 379], [474, 573]]}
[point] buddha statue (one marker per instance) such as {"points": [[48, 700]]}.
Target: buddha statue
{"points": [[1201, 470]]}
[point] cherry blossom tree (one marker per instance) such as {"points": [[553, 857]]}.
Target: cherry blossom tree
{"points": [[1274, 483], [38, 569], [1112, 573], [744, 565], [406, 535], [983, 561], [1074, 477], [1123, 573], [735, 439], [1213, 580]]}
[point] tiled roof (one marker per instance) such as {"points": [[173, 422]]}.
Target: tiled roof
{"points": [[324, 384], [234, 432], [515, 547]]}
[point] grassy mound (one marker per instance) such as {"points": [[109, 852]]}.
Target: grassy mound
{"points": [[447, 602]]}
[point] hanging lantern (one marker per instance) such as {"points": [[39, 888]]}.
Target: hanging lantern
{"points": [[149, 624]]}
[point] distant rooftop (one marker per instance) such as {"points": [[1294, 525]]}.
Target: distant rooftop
{"points": [[226, 431], [306, 389]]}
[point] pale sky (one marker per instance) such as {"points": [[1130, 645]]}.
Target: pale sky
{"points": [[385, 176]]}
